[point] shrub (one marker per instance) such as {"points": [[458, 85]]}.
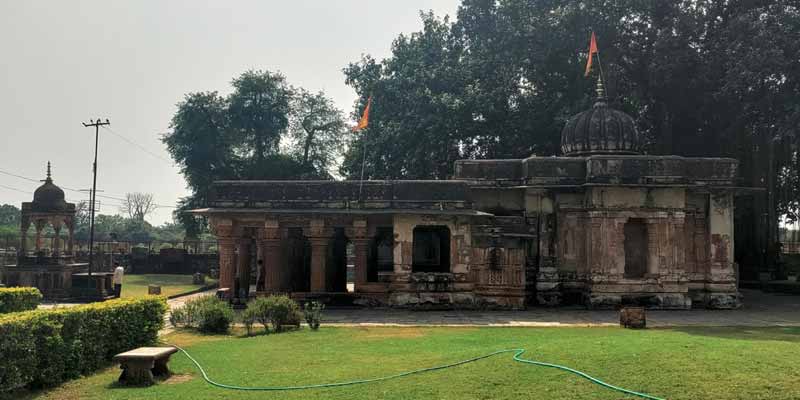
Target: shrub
{"points": [[16, 299], [45, 347], [207, 314], [313, 313], [282, 311], [249, 318], [276, 311], [259, 311]]}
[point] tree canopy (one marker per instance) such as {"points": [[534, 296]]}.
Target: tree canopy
{"points": [[265, 129]]}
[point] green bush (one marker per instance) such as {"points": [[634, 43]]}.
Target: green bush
{"points": [[207, 314], [249, 318], [275, 311], [45, 347], [281, 311], [313, 313], [16, 299]]}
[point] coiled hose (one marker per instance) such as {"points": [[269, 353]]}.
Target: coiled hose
{"points": [[517, 357]]}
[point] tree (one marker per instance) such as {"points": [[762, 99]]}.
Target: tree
{"points": [[259, 110], [201, 145], [317, 130], [10, 215], [138, 205], [239, 137], [419, 113]]}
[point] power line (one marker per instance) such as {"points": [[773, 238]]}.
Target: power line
{"points": [[15, 189], [121, 200], [30, 193], [146, 150], [20, 176], [172, 163]]}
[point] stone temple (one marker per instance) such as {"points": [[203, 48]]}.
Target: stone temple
{"points": [[602, 225]]}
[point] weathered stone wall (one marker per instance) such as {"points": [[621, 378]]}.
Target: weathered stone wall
{"points": [[500, 202], [432, 290], [721, 284], [502, 248]]}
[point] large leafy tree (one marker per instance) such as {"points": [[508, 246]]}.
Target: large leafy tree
{"points": [[239, 137], [200, 143], [317, 130], [258, 111]]}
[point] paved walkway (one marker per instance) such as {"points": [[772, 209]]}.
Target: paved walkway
{"points": [[760, 309]]}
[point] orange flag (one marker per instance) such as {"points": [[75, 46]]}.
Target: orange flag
{"points": [[592, 51], [364, 117]]}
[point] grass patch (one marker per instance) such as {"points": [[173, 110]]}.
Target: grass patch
{"points": [[692, 363], [136, 285]]}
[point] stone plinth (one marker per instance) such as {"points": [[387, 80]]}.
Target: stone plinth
{"points": [[632, 317]]}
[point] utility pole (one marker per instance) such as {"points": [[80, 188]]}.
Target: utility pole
{"points": [[96, 124]]}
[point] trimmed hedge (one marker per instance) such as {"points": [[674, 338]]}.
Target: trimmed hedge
{"points": [[46, 347], [16, 299]]}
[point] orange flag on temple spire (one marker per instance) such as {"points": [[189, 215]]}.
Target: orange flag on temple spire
{"points": [[364, 117], [592, 51]]}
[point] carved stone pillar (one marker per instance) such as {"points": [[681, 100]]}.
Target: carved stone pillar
{"points": [[39, 224], [358, 234], [653, 256], [243, 267], [223, 229], [23, 239], [319, 235], [57, 240], [275, 278], [679, 244], [71, 238]]}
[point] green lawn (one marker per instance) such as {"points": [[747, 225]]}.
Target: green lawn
{"points": [[136, 285], [691, 363]]}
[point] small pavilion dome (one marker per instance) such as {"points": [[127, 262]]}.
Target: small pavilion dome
{"points": [[49, 197], [600, 130]]}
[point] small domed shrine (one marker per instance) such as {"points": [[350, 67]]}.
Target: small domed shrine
{"points": [[52, 269], [603, 225]]}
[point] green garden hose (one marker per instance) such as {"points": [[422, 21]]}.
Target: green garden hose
{"points": [[517, 357]]}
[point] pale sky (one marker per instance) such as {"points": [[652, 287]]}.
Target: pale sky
{"points": [[64, 62]]}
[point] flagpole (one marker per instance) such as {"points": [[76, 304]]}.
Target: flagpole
{"points": [[363, 162], [600, 66], [363, 124], [599, 63]]}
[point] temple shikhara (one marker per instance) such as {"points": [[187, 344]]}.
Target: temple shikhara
{"points": [[600, 225]]}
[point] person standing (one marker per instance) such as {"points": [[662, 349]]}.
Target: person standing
{"points": [[118, 273]]}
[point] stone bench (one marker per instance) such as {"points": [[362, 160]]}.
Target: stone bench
{"points": [[139, 366]]}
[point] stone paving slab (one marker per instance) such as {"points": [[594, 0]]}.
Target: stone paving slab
{"points": [[759, 310]]}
